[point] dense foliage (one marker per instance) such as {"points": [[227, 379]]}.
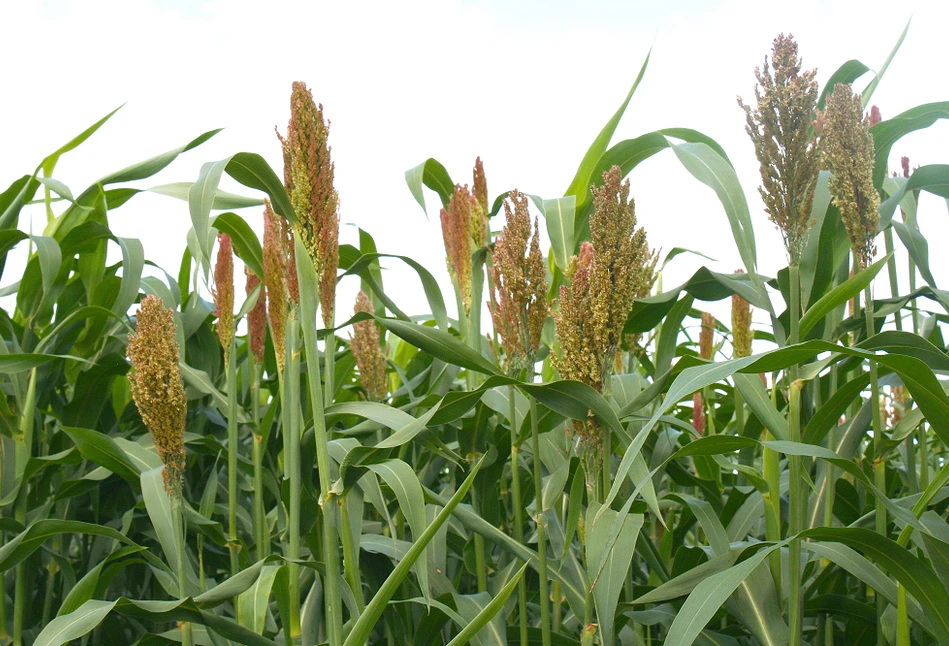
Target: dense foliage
{"points": [[607, 464]]}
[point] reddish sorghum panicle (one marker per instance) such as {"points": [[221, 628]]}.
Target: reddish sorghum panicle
{"points": [[849, 154], [518, 302], [875, 116], [904, 162], [224, 294], [698, 413], [257, 317], [308, 177], [707, 336], [157, 387], [479, 186], [780, 129], [366, 347], [459, 225], [275, 279], [742, 334]]}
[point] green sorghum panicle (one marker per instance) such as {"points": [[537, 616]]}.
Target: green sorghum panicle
{"points": [[366, 347]]}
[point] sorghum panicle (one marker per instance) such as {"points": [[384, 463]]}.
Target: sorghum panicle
{"points": [[257, 317], [367, 351], [904, 162], [275, 279], [308, 177], [875, 116], [698, 413], [224, 293], [459, 226], [742, 334], [518, 302], [780, 128], [157, 387], [479, 186], [707, 336], [849, 154]]}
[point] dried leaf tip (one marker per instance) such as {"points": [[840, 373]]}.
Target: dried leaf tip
{"points": [[848, 153], [308, 177], [257, 317], [366, 347], [157, 386], [224, 294], [780, 128], [518, 302]]}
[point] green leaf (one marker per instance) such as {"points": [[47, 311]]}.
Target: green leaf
{"points": [[244, 239], [847, 74], [840, 295], [756, 396], [560, 215], [708, 596], [439, 344], [580, 186], [223, 201], [489, 611], [74, 625], [868, 91], [366, 622], [133, 261], [101, 449], [918, 579], [432, 174], [253, 602], [201, 197], [32, 538], [253, 171], [918, 249], [158, 506], [888, 132], [14, 363], [613, 563]]}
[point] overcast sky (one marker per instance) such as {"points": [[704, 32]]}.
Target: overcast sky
{"points": [[526, 85]]}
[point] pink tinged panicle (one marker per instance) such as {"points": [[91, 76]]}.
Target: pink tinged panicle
{"points": [[224, 293], [308, 177], [698, 413], [875, 116], [275, 278], [518, 302], [366, 347], [257, 317], [742, 335], [904, 162], [458, 227], [480, 186], [157, 386], [707, 336]]}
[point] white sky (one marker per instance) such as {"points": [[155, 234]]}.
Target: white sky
{"points": [[526, 85]]}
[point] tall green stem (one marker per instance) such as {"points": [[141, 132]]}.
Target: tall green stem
{"points": [[260, 529], [232, 441], [770, 467], [879, 464], [541, 529], [180, 528], [518, 505], [308, 306], [796, 514], [292, 468], [24, 446]]}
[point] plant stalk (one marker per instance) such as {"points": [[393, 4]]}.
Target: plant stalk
{"points": [[260, 529], [180, 529], [230, 366], [24, 446], [795, 525], [541, 529], [292, 468], [518, 506]]}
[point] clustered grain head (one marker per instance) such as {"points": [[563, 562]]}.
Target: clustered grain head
{"points": [[849, 155], [157, 387], [257, 317], [707, 336], [611, 272], [780, 127], [308, 178], [518, 302], [367, 350], [224, 293]]}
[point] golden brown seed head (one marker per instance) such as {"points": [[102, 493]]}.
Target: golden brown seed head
{"points": [[157, 387], [308, 177], [780, 129], [367, 351], [610, 275], [848, 154], [224, 294], [698, 413], [742, 334], [480, 186], [275, 279], [707, 336], [257, 317], [518, 302]]}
